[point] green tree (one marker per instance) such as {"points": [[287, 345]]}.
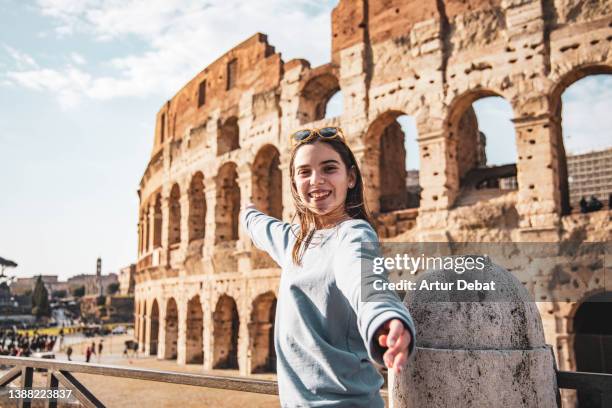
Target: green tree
{"points": [[40, 300], [112, 288], [78, 291]]}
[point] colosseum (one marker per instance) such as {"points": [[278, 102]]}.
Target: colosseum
{"points": [[205, 295]]}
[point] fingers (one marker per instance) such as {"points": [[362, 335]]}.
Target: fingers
{"points": [[396, 328], [397, 355], [399, 362], [382, 340]]}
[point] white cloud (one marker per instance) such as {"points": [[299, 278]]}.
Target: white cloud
{"points": [[22, 60], [586, 118], [68, 84], [181, 37], [77, 58]]}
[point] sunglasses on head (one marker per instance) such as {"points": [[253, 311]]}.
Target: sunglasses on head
{"points": [[305, 135]]}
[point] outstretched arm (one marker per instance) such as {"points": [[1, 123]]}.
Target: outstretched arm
{"points": [[384, 322], [267, 233]]}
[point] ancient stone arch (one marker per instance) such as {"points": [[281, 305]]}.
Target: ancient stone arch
{"points": [[261, 333], [593, 338], [226, 323], [197, 208], [316, 93], [195, 331], [158, 222], [174, 208], [467, 161], [171, 329], [564, 82], [154, 337], [227, 209], [385, 145], [267, 181], [228, 138]]}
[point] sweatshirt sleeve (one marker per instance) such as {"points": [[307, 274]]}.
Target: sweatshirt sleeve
{"points": [[354, 273], [267, 233]]}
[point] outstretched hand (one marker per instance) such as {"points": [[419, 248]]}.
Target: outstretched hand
{"points": [[248, 205], [396, 338]]}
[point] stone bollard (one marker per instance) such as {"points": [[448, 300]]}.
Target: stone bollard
{"points": [[485, 350]]}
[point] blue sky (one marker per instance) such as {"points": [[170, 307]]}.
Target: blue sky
{"points": [[82, 80]]}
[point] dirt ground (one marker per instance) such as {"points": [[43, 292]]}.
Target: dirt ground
{"points": [[121, 392]]}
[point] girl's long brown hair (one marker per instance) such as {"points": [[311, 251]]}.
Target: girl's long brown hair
{"points": [[354, 204]]}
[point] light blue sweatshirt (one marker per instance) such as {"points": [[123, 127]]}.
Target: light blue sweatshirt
{"points": [[323, 331]]}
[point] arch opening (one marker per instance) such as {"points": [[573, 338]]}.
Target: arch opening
{"points": [[157, 223], [227, 209], [143, 329], [261, 334], [225, 333], [484, 147], [392, 140], [268, 181], [153, 340], [228, 138], [171, 326], [593, 341], [174, 206], [581, 121], [315, 98], [195, 332], [197, 208]]}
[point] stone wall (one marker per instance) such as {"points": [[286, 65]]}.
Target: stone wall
{"points": [[426, 59]]}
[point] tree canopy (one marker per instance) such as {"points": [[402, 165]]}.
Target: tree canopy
{"points": [[40, 299]]}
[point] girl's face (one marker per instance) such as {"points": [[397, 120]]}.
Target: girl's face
{"points": [[321, 179]]}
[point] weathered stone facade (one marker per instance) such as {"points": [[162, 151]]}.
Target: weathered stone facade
{"points": [[205, 294]]}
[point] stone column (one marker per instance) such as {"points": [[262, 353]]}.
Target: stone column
{"points": [[486, 350], [161, 339], [140, 236], [290, 100], [165, 227], [184, 201], [439, 179], [244, 358], [147, 335], [151, 223], [538, 176], [136, 316], [244, 244], [208, 341], [210, 191], [288, 204], [181, 343]]}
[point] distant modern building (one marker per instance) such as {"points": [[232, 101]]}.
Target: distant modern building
{"points": [[590, 174]]}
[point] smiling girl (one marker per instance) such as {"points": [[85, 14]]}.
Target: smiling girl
{"points": [[326, 335]]}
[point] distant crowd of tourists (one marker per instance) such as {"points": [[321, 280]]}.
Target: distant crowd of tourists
{"points": [[23, 345]]}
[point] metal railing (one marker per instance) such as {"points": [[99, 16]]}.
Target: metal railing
{"points": [[61, 373], [597, 386]]}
